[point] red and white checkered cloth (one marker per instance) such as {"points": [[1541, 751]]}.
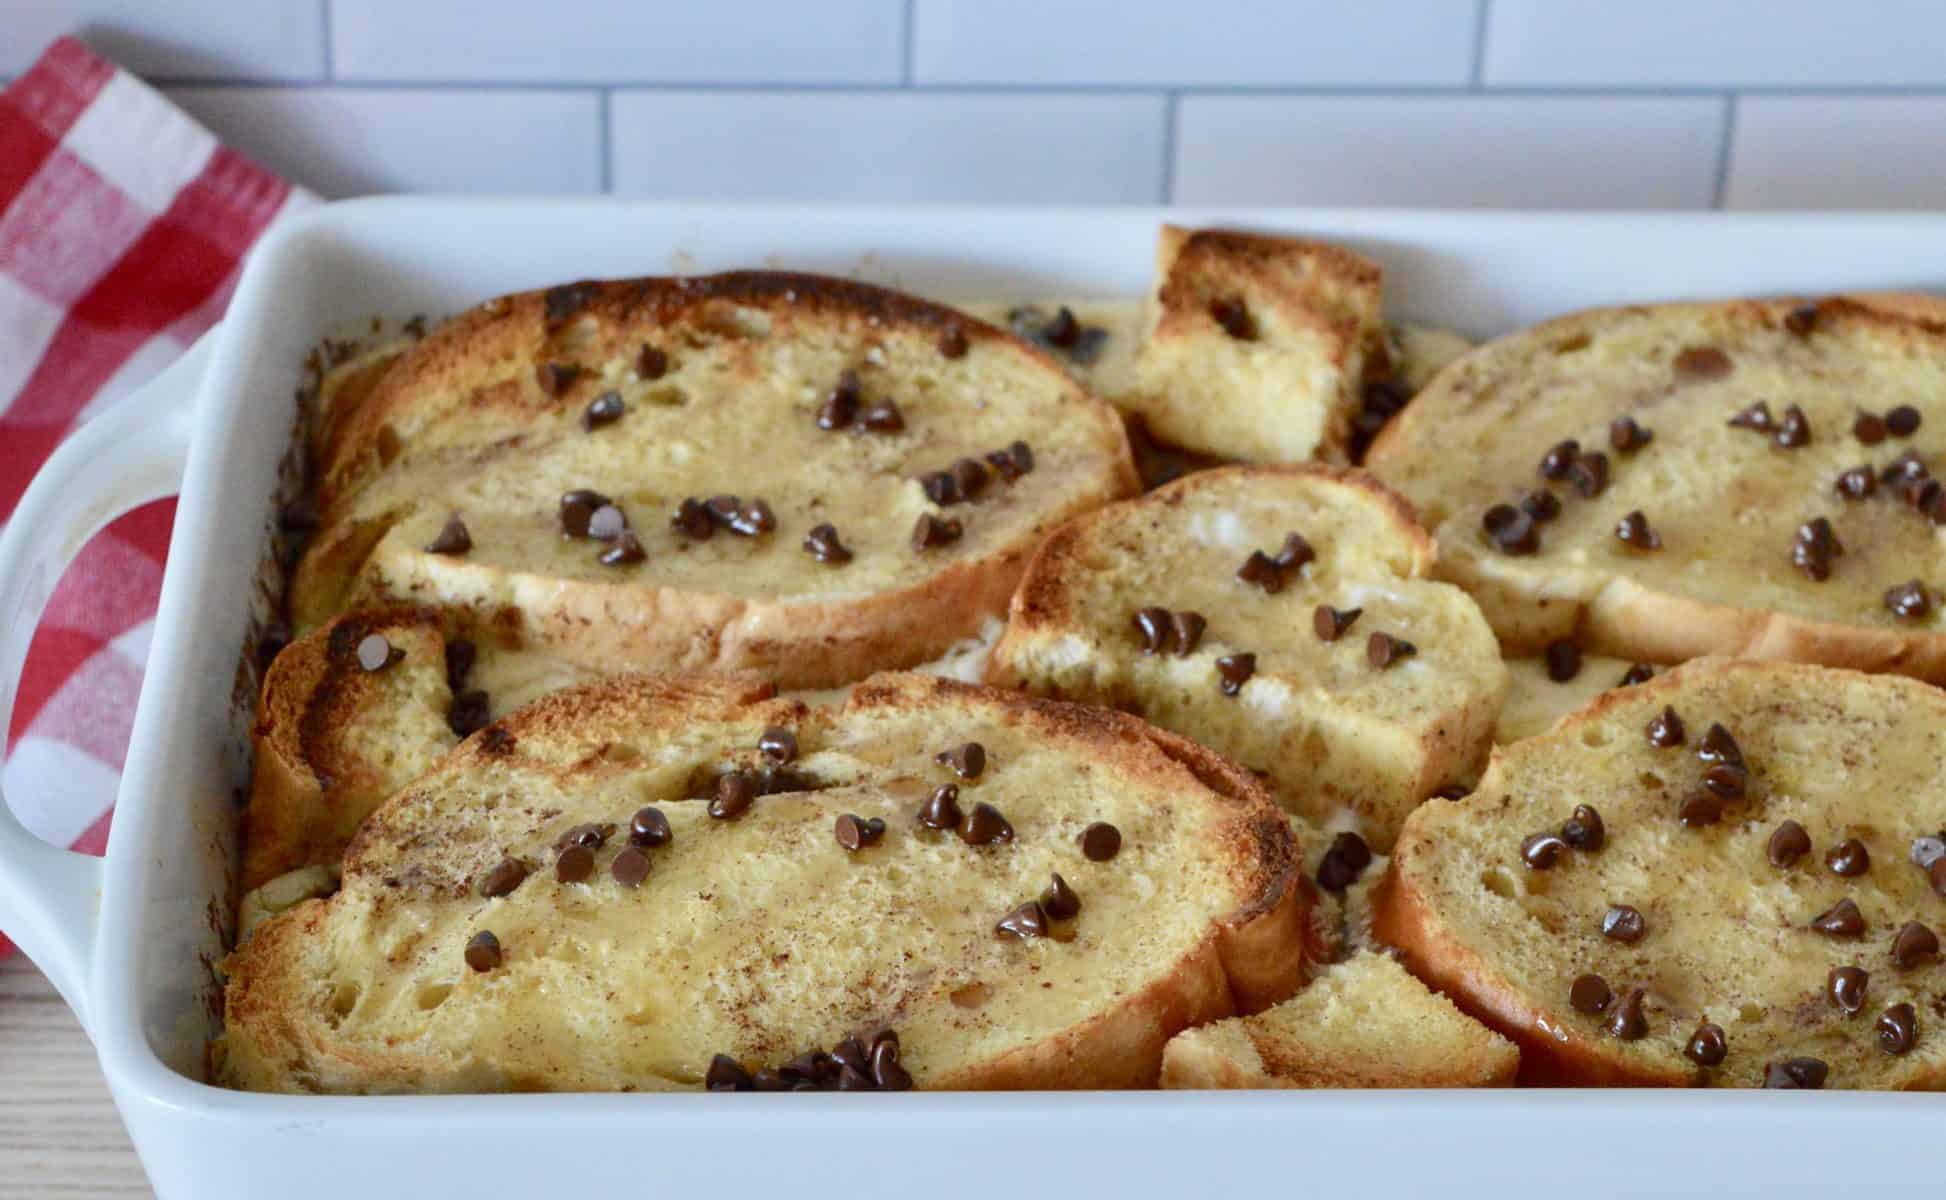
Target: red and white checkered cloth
{"points": [[122, 223]]}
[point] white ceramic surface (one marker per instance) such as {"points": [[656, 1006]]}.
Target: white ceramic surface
{"points": [[128, 939]]}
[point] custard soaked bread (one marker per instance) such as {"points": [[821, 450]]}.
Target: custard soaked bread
{"points": [[1280, 616], [801, 475], [1026, 894], [1731, 874], [1747, 478]]}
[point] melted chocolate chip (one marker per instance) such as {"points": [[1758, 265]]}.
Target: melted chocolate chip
{"points": [[1840, 920], [1868, 428], [555, 378], [1233, 671], [375, 653], [1584, 830], [841, 403], [1788, 843], [1848, 858], [1331, 623], [855, 832], [1665, 729], [734, 794], [1541, 504], [1540, 851], [1718, 746], [1702, 362], [1563, 660], [1814, 548], [968, 761], [1700, 809], [1635, 532], [649, 827], [1512, 530], [1590, 994], [1796, 1073], [1230, 313], [1382, 650], [1626, 1023], [1846, 988], [1027, 921], [985, 826], [1898, 1029], [1344, 861], [1626, 437], [574, 864], [1590, 475], [1910, 600], [483, 951], [506, 875], [1059, 901], [929, 531], [1756, 417], [1902, 421], [1914, 944], [578, 509], [631, 867], [453, 538], [1637, 673], [941, 809], [1707, 1046], [1559, 459], [1100, 842], [822, 544]]}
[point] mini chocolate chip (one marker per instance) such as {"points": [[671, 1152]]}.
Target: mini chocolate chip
{"points": [[1794, 430], [1541, 504], [1331, 623], [1027, 921], [1261, 570], [767, 1080], [587, 834], [984, 826], [1344, 861], [1902, 421], [692, 520], [855, 832], [1590, 994], [631, 867], [453, 538], [605, 409], [469, 713], [851, 1079], [1788, 843], [1840, 920], [886, 1071], [969, 477], [1152, 625], [1707, 1046], [734, 794], [1623, 923], [1756, 417], [1665, 729], [1626, 437], [752, 519], [483, 951], [1233, 671], [1584, 829], [1702, 362], [1910, 600], [1846, 988], [461, 654], [1801, 320], [722, 508], [726, 1074], [967, 761], [1914, 944], [1637, 673], [506, 875], [1512, 530], [1382, 650], [1559, 459], [648, 827], [1727, 780], [841, 404], [851, 1053], [941, 809], [1848, 858], [578, 509], [1634, 532], [940, 488], [1626, 1022], [1718, 746], [1100, 842], [1898, 1029], [624, 551], [574, 864], [822, 544], [1062, 329], [883, 417], [1796, 1073], [1700, 809], [651, 363], [777, 744], [1540, 851], [1186, 632], [1936, 875], [1857, 484], [376, 654], [1022, 455], [1563, 660], [555, 378], [1294, 554], [1814, 548], [1230, 313], [929, 531], [1059, 901], [1868, 428], [1590, 475], [1904, 469], [1005, 464], [952, 343]]}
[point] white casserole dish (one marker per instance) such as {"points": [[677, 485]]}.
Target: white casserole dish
{"points": [[128, 939]]}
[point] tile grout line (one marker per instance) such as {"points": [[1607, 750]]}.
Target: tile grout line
{"points": [[1724, 151], [1172, 100], [324, 28], [911, 25], [604, 122], [1480, 45]]}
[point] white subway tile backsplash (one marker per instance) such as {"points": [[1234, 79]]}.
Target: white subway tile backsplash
{"points": [[1214, 42], [203, 39], [620, 41], [1715, 43], [1838, 152], [347, 141], [876, 146], [1459, 151]]}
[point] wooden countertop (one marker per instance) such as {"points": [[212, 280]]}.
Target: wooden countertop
{"points": [[59, 1132]]}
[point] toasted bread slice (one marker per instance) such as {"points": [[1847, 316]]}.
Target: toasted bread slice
{"points": [[1324, 726], [761, 936], [1256, 345], [1739, 565], [1364, 1023], [1506, 925], [333, 739], [652, 392]]}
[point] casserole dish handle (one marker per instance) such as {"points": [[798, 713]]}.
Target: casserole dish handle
{"points": [[131, 454]]}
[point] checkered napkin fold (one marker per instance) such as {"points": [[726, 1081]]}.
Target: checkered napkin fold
{"points": [[122, 223]]}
